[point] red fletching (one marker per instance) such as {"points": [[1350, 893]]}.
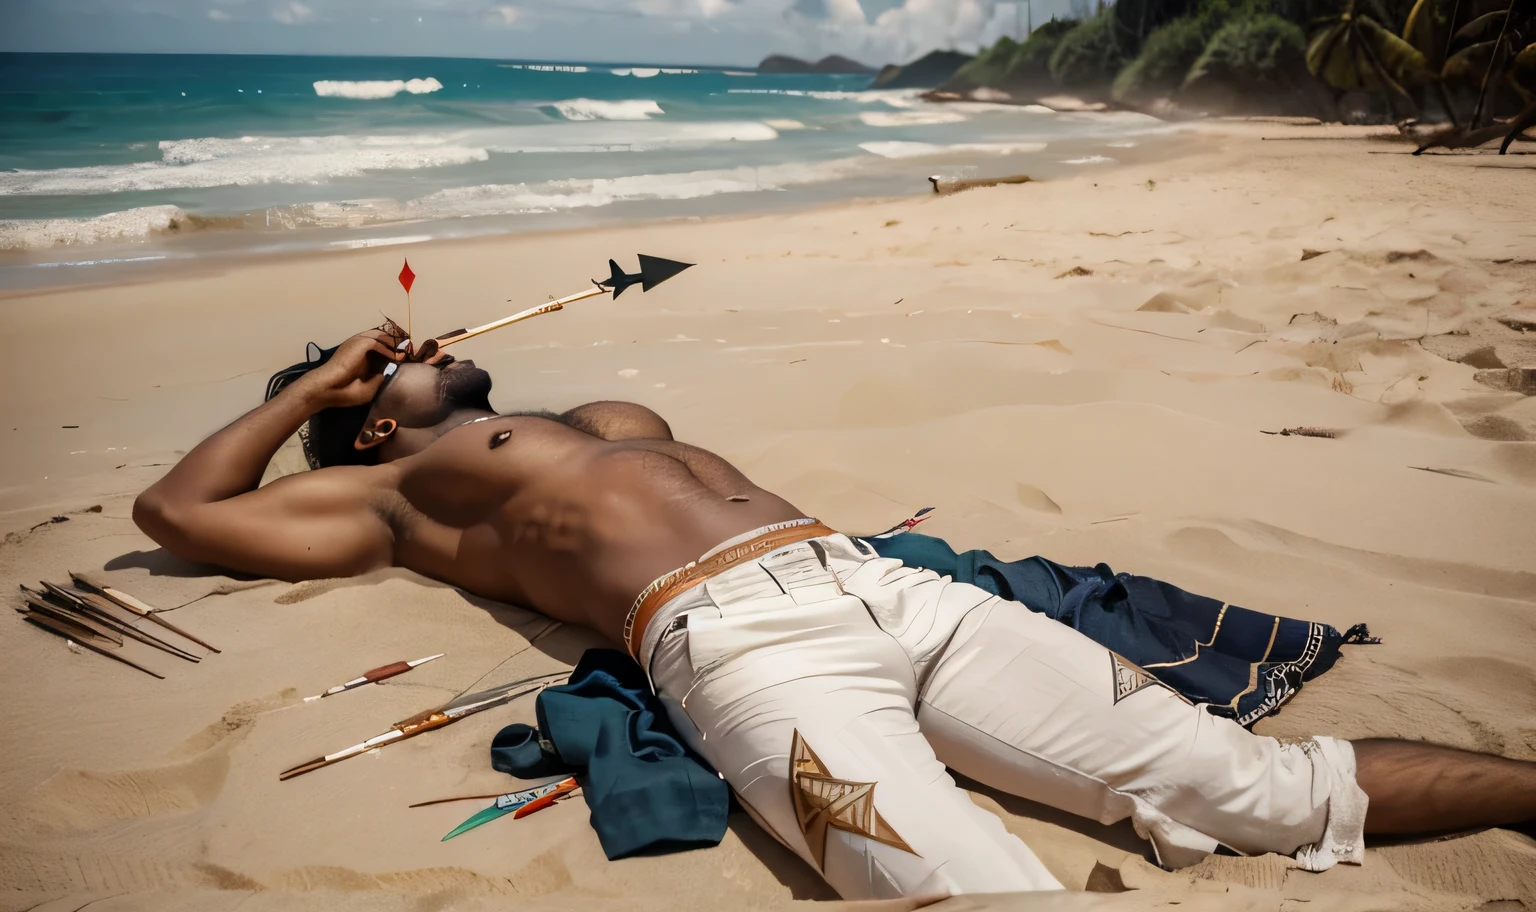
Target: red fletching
{"points": [[407, 277]]}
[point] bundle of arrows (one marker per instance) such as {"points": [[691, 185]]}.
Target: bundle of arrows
{"points": [[103, 620]]}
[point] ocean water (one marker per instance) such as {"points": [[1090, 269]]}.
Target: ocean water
{"points": [[111, 159]]}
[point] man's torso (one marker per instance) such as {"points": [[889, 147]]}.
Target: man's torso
{"points": [[563, 522]]}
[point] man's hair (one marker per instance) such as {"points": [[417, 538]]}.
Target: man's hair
{"points": [[331, 434], [327, 437]]}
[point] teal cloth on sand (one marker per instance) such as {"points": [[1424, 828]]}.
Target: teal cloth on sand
{"points": [[646, 791]]}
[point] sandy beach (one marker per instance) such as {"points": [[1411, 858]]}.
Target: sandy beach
{"points": [[1082, 368]]}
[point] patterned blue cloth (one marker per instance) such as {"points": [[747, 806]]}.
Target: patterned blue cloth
{"points": [[1241, 664]]}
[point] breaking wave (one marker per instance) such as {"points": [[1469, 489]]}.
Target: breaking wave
{"points": [[452, 203], [909, 118], [593, 109], [544, 67], [214, 162], [580, 193], [252, 160], [38, 234], [899, 149], [373, 89]]}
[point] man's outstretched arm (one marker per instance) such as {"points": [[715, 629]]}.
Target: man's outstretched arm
{"points": [[324, 523]]}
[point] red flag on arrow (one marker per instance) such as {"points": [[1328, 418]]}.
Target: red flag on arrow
{"points": [[407, 277]]}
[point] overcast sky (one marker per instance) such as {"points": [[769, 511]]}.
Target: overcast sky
{"points": [[733, 32]]}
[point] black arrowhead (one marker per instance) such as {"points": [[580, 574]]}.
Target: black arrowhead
{"points": [[655, 270]]}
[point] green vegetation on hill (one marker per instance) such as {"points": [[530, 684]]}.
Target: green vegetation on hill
{"points": [[1472, 62], [1010, 64], [1165, 58], [1089, 56]]}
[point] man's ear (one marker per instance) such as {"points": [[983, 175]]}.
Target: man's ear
{"points": [[380, 431]]}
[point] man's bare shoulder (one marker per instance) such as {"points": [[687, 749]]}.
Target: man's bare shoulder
{"points": [[614, 420]]}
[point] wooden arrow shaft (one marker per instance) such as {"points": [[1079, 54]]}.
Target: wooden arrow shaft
{"points": [[52, 626], [548, 307], [125, 600]]}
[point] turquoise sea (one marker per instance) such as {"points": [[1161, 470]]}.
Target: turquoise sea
{"points": [[109, 158]]}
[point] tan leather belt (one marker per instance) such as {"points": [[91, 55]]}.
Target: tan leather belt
{"points": [[668, 587]]}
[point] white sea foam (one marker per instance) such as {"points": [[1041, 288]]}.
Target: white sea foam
{"points": [[1087, 160], [545, 196], [782, 124], [543, 67], [643, 72], [625, 136], [897, 149], [909, 118], [364, 243], [576, 193], [372, 89], [217, 162], [895, 98], [39, 234], [594, 109], [739, 73]]}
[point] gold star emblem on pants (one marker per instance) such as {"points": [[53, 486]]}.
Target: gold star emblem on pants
{"points": [[821, 801]]}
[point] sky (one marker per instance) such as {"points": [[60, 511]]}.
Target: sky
{"points": [[711, 32]]}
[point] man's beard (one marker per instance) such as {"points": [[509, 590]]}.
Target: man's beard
{"points": [[464, 386]]}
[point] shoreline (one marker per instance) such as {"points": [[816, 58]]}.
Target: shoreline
{"points": [[1162, 147]]}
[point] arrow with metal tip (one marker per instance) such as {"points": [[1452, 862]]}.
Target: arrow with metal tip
{"points": [[653, 271]]}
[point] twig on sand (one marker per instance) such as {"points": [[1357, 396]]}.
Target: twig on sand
{"points": [[1325, 433], [1455, 473]]}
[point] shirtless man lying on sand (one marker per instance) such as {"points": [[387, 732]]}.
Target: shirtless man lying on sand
{"points": [[829, 686]]}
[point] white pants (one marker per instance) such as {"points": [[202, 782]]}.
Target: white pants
{"points": [[831, 688]]}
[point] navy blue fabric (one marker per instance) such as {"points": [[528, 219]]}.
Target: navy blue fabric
{"points": [[646, 792], [1202, 648]]}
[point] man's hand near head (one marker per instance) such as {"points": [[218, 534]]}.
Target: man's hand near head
{"points": [[208, 507], [353, 374]]}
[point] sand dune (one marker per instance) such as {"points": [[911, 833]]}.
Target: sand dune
{"points": [[1079, 368]]}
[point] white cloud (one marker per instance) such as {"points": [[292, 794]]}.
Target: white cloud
{"points": [[901, 32], [293, 12], [218, 15], [680, 9], [502, 15]]}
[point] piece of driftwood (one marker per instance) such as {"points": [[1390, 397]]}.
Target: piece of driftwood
{"points": [[1325, 433], [944, 188]]}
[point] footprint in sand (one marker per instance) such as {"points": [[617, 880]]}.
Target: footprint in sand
{"points": [[82, 799]]}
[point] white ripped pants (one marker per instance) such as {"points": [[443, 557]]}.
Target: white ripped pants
{"points": [[831, 688]]}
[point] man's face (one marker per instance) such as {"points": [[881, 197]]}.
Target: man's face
{"points": [[425, 395]]}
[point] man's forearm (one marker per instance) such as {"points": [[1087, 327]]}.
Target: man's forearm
{"points": [[232, 461]]}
